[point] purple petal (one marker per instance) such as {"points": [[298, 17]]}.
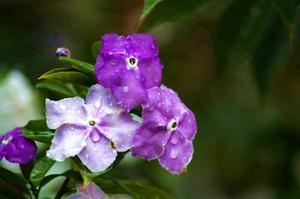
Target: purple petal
{"points": [[178, 154], [92, 191], [68, 110], [68, 141], [18, 149], [2, 148], [113, 44], [130, 93], [109, 69], [166, 101], [188, 126], [142, 45], [98, 154], [149, 142], [100, 102], [151, 71], [120, 129]]}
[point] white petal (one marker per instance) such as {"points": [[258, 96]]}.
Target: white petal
{"points": [[119, 128], [99, 155], [68, 141], [65, 111]]}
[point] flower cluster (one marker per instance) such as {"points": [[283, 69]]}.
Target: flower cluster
{"points": [[130, 67], [128, 73]]}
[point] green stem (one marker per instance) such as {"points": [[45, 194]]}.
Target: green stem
{"points": [[62, 189]]}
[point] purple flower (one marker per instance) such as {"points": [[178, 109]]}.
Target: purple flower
{"points": [[129, 66], [16, 148], [62, 52], [91, 191], [167, 132], [94, 129]]}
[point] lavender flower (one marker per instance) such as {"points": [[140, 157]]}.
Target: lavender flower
{"points": [[94, 129], [167, 132], [63, 52], [129, 66], [16, 148], [91, 191]]}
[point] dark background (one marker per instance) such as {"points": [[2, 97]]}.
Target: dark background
{"points": [[248, 113]]}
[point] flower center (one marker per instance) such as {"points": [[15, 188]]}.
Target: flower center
{"points": [[131, 63], [113, 145], [172, 125], [92, 123], [6, 140]]}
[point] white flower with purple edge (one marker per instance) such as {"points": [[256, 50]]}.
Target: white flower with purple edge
{"points": [[94, 129]]}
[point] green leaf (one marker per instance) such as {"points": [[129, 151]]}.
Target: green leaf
{"points": [[270, 56], [79, 65], [287, 10], [55, 70], [136, 190], [63, 89], [8, 190], [37, 130], [95, 48], [69, 174], [12, 178], [68, 76], [156, 12], [246, 40], [40, 170]]}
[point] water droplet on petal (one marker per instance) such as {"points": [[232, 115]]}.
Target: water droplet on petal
{"points": [[125, 89], [173, 153], [113, 62], [174, 140], [159, 104], [110, 104], [62, 106], [153, 46], [97, 104], [95, 136]]}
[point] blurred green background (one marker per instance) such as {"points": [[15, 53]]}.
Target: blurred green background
{"points": [[235, 63]]}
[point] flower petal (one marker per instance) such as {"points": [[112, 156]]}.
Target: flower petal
{"points": [[98, 155], [92, 191], [20, 150], [2, 148], [177, 155], [149, 142], [151, 71], [120, 129], [16, 148], [68, 110], [68, 141], [142, 45], [109, 69], [188, 126], [113, 44], [100, 101], [166, 101], [130, 92]]}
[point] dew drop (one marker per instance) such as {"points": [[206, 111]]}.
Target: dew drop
{"points": [[110, 104], [125, 89], [113, 62], [97, 104], [173, 153], [153, 46], [159, 104], [95, 136], [174, 140], [62, 106]]}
